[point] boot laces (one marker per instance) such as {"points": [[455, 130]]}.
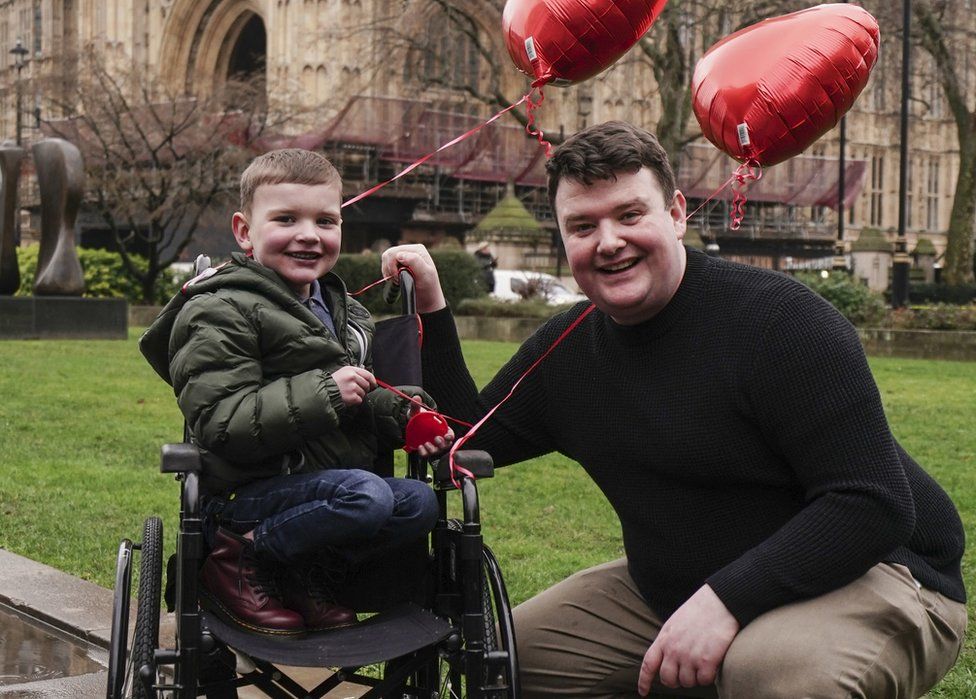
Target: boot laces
{"points": [[261, 578], [322, 581]]}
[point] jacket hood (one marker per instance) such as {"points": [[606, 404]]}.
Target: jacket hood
{"points": [[241, 273]]}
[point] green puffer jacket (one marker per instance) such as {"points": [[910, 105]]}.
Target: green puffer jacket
{"points": [[251, 368]]}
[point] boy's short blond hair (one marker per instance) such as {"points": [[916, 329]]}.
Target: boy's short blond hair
{"points": [[288, 165]]}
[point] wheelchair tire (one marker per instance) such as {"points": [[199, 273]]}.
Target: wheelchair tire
{"points": [[496, 614], [499, 627], [146, 636]]}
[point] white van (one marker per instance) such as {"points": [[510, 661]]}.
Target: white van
{"points": [[518, 285]]}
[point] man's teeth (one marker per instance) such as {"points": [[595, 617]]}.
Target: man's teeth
{"points": [[619, 266]]}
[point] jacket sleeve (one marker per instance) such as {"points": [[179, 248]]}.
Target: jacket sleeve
{"points": [[219, 384], [392, 411]]}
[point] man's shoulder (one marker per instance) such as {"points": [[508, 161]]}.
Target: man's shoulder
{"points": [[738, 282]]}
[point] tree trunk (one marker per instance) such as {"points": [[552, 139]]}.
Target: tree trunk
{"points": [[962, 221]]}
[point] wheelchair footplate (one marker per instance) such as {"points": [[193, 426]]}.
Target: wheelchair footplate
{"points": [[398, 631]]}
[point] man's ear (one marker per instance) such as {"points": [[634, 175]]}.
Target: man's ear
{"points": [[679, 210], [242, 231]]}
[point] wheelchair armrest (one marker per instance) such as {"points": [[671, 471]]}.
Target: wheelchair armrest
{"points": [[477, 462], [180, 458]]}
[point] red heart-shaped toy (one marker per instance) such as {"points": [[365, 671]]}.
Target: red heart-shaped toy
{"points": [[768, 91], [566, 41], [423, 427]]}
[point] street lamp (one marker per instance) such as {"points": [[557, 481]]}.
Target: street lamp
{"points": [[899, 280], [19, 51]]}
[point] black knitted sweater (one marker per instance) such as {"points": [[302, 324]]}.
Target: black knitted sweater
{"points": [[739, 436]]}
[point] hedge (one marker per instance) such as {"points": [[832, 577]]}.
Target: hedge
{"points": [[104, 274], [850, 296], [942, 293]]}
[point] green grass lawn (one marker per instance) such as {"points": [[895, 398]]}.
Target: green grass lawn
{"points": [[81, 424]]}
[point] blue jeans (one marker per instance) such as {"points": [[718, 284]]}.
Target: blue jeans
{"points": [[348, 513]]}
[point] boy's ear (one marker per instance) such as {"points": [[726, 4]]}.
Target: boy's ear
{"points": [[242, 231]]}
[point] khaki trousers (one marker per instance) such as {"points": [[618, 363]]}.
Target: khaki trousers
{"points": [[880, 637]]}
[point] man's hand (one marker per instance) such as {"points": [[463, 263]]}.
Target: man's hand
{"points": [[354, 383], [438, 446], [691, 645], [428, 285]]}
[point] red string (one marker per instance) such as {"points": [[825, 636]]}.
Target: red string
{"points": [[470, 433], [371, 285], [749, 171], [710, 197], [419, 403], [530, 126], [430, 155]]}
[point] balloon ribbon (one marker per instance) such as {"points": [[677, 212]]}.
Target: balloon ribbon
{"points": [[749, 171], [418, 163], [455, 469]]}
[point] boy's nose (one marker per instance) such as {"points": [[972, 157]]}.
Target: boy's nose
{"points": [[306, 230]]}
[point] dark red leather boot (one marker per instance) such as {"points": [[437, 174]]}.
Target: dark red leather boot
{"points": [[309, 591], [234, 584]]}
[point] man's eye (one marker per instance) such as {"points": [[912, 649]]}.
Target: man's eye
{"points": [[581, 228], [630, 216]]}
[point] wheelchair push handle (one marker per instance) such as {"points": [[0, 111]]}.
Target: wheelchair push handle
{"points": [[404, 290]]}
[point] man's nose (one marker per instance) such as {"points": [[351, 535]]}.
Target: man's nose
{"points": [[608, 242]]}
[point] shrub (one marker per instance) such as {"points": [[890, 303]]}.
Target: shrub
{"points": [[508, 309], [105, 276], [851, 297], [938, 317], [942, 293]]}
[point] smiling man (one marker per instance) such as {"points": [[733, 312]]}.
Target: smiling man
{"points": [[779, 542]]}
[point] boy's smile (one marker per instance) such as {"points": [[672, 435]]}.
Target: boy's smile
{"points": [[294, 229]]}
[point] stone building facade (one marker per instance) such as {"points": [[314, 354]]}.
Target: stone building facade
{"points": [[373, 75]]}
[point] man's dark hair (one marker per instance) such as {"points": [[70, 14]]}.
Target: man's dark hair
{"points": [[601, 151]]}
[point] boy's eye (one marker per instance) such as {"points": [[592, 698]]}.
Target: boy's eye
{"points": [[326, 222], [284, 218]]}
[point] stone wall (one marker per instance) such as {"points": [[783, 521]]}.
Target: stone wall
{"points": [[879, 342]]}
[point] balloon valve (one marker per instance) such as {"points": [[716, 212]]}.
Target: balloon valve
{"points": [[742, 131]]}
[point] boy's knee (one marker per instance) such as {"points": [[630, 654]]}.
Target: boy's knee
{"points": [[417, 501], [371, 498]]}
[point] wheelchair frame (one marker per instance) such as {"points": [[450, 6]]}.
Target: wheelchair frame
{"points": [[462, 646]]}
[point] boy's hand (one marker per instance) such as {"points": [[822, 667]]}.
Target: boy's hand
{"points": [[354, 383], [428, 285]]}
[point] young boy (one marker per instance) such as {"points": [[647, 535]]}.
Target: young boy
{"points": [[269, 359]]}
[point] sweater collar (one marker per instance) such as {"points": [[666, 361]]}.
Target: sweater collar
{"points": [[683, 301]]}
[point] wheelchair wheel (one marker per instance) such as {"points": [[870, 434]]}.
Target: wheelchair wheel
{"points": [[123, 672], [499, 629], [146, 638], [451, 678]]}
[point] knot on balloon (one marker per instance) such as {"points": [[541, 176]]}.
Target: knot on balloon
{"points": [[530, 126], [749, 171]]}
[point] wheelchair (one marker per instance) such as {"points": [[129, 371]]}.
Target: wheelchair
{"points": [[453, 638]]}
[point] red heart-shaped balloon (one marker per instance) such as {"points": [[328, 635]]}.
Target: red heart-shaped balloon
{"points": [[768, 91], [566, 41], [423, 427]]}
